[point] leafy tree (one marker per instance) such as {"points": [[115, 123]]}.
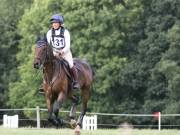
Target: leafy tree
{"points": [[98, 35], [33, 24], [10, 13], [151, 77]]}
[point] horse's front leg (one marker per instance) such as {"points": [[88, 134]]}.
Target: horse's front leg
{"points": [[51, 117], [57, 105], [49, 103]]}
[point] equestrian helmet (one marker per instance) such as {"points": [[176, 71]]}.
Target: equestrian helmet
{"points": [[56, 18]]}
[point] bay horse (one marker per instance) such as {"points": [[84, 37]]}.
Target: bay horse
{"points": [[57, 83]]}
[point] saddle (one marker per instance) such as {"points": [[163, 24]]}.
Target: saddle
{"points": [[66, 67]]}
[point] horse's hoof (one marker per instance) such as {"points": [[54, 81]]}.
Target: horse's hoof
{"points": [[60, 122], [54, 122], [77, 130], [72, 123]]}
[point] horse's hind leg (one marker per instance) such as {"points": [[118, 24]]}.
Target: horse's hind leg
{"points": [[85, 98], [75, 100]]}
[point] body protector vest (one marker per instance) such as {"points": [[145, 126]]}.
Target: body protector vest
{"points": [[58, 41]]}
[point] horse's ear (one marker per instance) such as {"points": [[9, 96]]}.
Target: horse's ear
{"points": [[41, 41]]}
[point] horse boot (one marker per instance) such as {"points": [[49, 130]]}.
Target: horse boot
{"points": [[76, 85]]}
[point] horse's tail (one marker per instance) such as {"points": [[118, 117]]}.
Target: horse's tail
{"points": [[90, 66], [84, 60], [93, 77], [93, 71]]}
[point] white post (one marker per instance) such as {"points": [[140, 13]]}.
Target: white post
{"points": [[17, 121], [89, 122], [159, 121], [10, 121], [38, 116], [5, 121], [84, 123], [95, 122], [14, 121]]}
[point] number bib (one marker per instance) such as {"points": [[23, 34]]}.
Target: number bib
{"points": [[58, 42]]}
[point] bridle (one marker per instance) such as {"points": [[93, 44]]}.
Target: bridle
{"points": [[43, 54]]}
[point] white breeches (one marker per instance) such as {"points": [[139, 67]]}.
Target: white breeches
{"points": [[68, 57]]}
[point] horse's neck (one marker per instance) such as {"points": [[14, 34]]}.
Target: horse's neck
{"points": [[53, 70], [48, 71]]}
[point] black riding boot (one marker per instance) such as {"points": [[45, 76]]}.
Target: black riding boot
{"points": [[75, 78]]}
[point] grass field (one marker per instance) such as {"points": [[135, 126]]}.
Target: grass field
{"points": [[34, 131]]}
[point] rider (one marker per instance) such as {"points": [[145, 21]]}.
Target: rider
{"points": [[59, 38]]}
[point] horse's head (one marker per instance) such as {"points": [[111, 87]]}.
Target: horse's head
{"points": [[43, 53]]}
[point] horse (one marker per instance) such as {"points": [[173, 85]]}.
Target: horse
{"points": [[57, 84]]}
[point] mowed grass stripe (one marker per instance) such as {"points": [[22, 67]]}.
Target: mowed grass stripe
{"points": [[46, 131]]}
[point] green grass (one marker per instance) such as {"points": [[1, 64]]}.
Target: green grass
{"points": [[34, 131]]}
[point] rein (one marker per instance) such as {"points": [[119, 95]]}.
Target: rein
{"points": [[55, 65], [53, 61]]}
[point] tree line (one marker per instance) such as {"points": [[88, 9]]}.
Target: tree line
{"points": [[133, 46]]}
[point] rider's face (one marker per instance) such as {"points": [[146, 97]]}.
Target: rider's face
{"points": [[56, 25]]}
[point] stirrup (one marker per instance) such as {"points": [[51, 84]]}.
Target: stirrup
{"points": [[76, 85]]}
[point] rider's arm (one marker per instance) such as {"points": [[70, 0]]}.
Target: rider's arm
{"points": [[48, 36], [67, 41]]}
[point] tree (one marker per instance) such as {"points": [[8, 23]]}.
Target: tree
{"points": [[10, 13], [152, 73]]}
